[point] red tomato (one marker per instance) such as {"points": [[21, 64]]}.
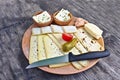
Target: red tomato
{"points": [[67, 37]]}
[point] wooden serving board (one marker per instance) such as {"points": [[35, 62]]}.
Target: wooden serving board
{"points": [[66, 70]]}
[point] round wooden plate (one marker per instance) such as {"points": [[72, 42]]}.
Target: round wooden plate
{"points": [[66, 70]]}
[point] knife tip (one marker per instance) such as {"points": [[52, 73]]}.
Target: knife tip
{"points": [[28, 67]]}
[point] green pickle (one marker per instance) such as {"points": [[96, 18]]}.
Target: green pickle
{"points": [[69, 45]]}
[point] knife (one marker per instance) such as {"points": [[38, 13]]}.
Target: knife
{"points": [[70, 58]]}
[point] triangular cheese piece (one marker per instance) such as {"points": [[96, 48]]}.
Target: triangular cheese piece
{"points": [[52, 51], [41, 48]]}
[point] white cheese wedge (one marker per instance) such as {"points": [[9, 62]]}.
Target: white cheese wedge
{"points": [[57, 29], [52, 51], [87, 41], [41, 48], [46, 30], [33, 55], [93, 30], [36, 31], [63, 15], [43, 17], [69, 29]]}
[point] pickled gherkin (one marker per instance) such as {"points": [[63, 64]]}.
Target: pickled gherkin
{"points": [[69, 45]]}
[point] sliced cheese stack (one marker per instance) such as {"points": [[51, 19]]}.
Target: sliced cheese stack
{"points": [[33, 55], [54, 29], [52, 51], [82, 50], [87, 41], [76, 64]]}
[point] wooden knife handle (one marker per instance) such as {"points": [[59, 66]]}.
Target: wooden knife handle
{"points": [[89, 55]]}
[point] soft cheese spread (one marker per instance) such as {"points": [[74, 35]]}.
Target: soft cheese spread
{"points": [[63, 15]]}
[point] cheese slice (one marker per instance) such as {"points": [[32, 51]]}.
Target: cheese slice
{"points": [[69, 29], [80, 47], [41, 48], [84, 63], [46, 30], [33, 55], [59, 38], [55, 40], [77, 65], [93, 30], [57, 29], [52, 51], [82, 50], [88, 41], [36, 31]]}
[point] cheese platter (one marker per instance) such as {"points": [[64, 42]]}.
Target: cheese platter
{"points": [[48, 41]]}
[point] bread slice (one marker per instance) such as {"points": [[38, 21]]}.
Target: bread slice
{"points": [[93, 30], [36, 31], [41, 48], [33, 55], [57, 29], [69, 29], [52, 51]]}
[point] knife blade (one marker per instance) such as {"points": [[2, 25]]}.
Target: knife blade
{"points": [[70, 58]]}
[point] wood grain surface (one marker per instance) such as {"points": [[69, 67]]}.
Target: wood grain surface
{"points": [[15, 18]]}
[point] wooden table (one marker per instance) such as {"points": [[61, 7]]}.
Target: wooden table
{"points": [[15, 18]]}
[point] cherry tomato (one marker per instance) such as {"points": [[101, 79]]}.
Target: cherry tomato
{"points": [[67, 37]]}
